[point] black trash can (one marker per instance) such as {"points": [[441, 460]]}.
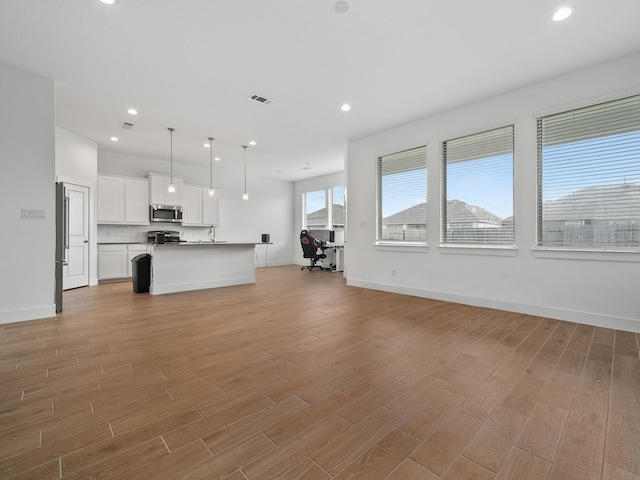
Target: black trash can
{"points": [[141, 272]]}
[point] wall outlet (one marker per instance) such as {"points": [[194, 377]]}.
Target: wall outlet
{"points": [[393, 272], [34, 214]]}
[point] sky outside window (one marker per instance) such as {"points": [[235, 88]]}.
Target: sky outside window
{"points": [[609, 160], [403, 190], [315, 201], [485, 182]]}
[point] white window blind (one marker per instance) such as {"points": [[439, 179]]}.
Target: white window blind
{"points": [[478, 188], [589, 177], [402, 196]]}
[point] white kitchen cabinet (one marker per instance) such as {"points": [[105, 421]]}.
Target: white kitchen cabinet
{"points": [[199, 208], [112, 262], [159, 190], [136, 203], [191, 205], [123, 200], [110, 199]]}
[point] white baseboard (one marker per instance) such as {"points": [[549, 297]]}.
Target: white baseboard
{"points": [[187, 287], [273, 264], [26, 314], [588, 318]]}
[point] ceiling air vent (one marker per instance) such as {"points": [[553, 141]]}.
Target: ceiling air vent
{"points": [[260, 98], [126, 125]]}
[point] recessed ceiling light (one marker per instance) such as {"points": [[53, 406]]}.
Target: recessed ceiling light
{"points": [[113, 139], [562, 14], [217, 159], [252, 143], [345, 107], [132, 111], [206, 145], [108, 2]]}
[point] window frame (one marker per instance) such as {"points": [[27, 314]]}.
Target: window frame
{"points": [[305, 225], [328, 200], [469, 245], [406, 245], [545, 248]]}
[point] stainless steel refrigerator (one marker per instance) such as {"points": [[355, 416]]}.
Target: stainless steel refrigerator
{"points": [[62, 239]]}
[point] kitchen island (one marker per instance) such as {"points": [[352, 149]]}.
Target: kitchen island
{"points": [[184, 266]]}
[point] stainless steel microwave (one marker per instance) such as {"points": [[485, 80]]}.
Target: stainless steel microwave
{"points": [[165, 213]]}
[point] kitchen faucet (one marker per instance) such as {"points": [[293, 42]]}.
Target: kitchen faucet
{"points": [[212, 233]]}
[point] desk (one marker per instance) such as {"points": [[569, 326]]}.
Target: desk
{"points": [[335, 257]]}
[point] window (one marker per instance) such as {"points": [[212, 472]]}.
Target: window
{"points": [[478, 189], [316, 217], [402, 196], [338, 211], [316, 214], [589, 177]]}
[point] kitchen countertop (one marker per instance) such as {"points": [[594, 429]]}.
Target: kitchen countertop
{"points": [[205, 244], [177, 244], [124, 243]]}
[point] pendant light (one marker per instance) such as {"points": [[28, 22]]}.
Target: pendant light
{"points": [[172, 187], [245, 195], [211, 165]]}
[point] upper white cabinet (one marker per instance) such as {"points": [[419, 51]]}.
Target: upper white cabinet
{"points": [[123, 200], [136, 201], [159, 190], [191, 205], [110, 199], [126, 200], [199, 208]]}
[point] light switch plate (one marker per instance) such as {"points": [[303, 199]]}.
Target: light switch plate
{"points": [[34, 214]]}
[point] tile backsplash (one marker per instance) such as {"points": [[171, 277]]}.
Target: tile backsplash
{"points": [[138, 233]]}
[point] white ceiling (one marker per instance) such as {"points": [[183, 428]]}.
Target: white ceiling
{"points": [[191, 64]]}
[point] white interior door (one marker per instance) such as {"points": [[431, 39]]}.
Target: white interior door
{"points": [[76, 272]]}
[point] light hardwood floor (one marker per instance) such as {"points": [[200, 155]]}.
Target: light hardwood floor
{"points": [[302, 377]]}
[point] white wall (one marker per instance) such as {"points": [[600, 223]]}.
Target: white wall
{"points": [[77, 162], [593, 288], [268, 210], [310, 185], [27, 136]]}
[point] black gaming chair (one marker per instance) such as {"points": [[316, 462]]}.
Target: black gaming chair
{"points": [[310, 250]]}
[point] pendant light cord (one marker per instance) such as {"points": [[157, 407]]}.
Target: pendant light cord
{"points": [[171, 153], [244, 155], [211, 165]]}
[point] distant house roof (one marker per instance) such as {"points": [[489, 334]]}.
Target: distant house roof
{"points": [[596, 203], [460, 212], [416, 215], [457, 211], [320, 216]]}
